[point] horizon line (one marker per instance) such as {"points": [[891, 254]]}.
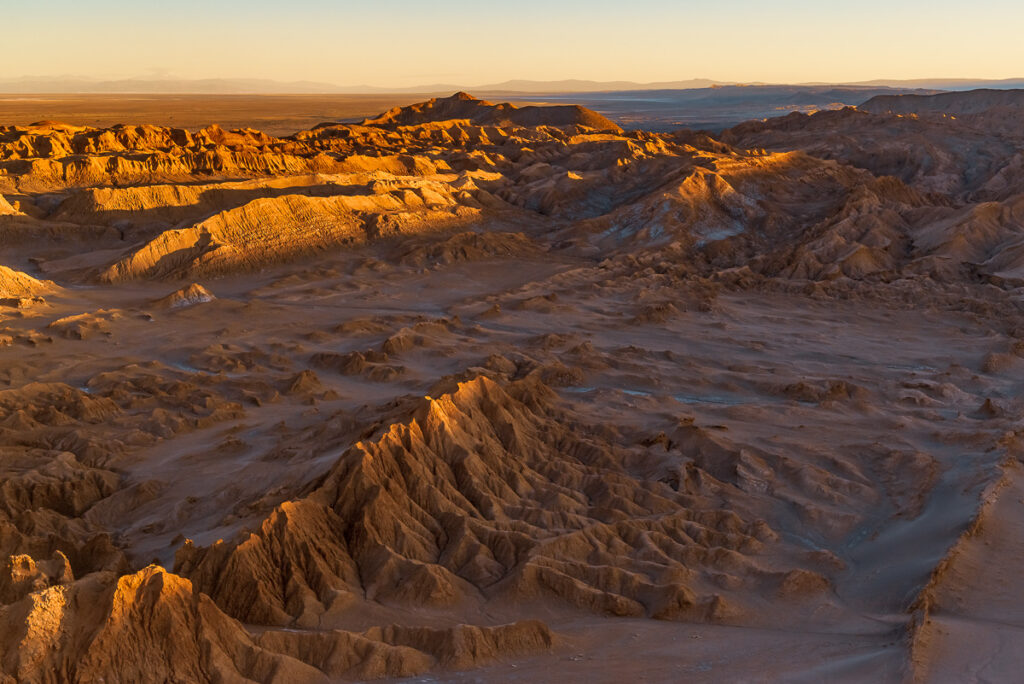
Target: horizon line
{"points": [[507, 86]]}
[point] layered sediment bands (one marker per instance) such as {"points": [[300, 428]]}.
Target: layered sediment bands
{"points": [[486, 493]]}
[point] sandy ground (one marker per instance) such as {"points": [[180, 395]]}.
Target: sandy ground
{"points": [[275, 114]]}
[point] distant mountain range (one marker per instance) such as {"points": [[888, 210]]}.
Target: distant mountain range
{"points": [[212, 86], [941, 83], [72, 84], [229, 86]]}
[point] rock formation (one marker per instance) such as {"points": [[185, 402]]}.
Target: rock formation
{"points": [[513, 388]]}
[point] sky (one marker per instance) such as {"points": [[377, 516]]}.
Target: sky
{"points": [[403, 43]]}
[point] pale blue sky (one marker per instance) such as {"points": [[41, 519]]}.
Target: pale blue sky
{"points": [[403, 43]]}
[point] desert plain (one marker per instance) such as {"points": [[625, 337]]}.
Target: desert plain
{"points": [[485, 392]]}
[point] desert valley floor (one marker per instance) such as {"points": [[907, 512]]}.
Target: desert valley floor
{"points": [[472, 392]]}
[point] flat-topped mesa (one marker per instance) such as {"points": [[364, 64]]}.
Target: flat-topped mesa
{"points": [[464, 106], [991, 112], [956, 103]]}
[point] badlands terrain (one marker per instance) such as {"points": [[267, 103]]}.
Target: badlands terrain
{"points": [[475, 392]]}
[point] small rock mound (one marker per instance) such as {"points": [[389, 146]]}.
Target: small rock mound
{"points": [[18, 285], [6, 209], [470, 246], [186, 296]]}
